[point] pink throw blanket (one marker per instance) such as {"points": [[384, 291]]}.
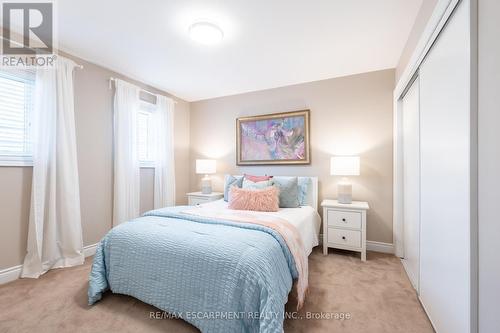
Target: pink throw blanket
{"points": [[288, 231]]}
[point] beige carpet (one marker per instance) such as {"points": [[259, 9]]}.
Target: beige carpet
{"points": [[376, 295]]}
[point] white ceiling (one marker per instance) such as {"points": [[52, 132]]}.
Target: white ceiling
{"points": [[266, 44]]}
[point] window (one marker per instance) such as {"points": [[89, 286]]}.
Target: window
{"points": [[145, 142], [16, 103]]}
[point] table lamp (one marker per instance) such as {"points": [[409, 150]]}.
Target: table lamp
{"points": [[205, 167], [344, 166]]}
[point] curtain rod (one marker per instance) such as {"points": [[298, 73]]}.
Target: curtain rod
{"points": [[112, 79]]}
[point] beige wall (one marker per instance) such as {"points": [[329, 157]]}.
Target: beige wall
{"points": [[15, 192], [94, 132], [423, 17], [349, 115]]}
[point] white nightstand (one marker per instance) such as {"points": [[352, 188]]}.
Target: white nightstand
{"points": [[195, 198], [344, 226]]}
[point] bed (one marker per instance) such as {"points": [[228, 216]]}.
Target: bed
{"points": [[217, 273]]}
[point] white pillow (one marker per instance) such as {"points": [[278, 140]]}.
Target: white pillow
{"points": [[250, 185]]}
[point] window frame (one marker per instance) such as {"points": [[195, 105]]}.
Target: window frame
{"points": [[21, 160], [13, 160]]}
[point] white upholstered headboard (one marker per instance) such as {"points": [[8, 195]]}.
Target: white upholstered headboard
{"points": [[312, 193]]}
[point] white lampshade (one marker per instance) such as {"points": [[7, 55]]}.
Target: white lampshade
{"points": [[344, 166], [205, 167]]}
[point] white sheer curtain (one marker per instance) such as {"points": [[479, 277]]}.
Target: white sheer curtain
{"points": [[55, 232], [164, 186], [127, 173]]}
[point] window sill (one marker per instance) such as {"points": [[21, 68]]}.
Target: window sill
{"points": [[16, 161], [146, 165]]}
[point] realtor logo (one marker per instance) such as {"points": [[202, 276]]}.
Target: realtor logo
{"points": [[34, 22]]}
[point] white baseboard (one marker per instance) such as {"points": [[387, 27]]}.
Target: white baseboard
{"points": [[380, 247], [89, 250], [13, 273], [10, 274], [427, 313]]}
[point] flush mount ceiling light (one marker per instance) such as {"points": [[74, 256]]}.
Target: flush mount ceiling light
{"points": [[205, 32]]}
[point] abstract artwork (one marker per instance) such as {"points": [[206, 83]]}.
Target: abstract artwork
{"points": [[281, 138]]}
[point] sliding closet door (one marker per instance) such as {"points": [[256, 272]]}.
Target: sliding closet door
{"points": [[411, 182], [445, 176]]}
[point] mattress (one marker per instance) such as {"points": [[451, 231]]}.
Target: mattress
{"points": [[305, 218]]}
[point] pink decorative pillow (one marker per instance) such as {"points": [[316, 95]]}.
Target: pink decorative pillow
{"points": [[264, 200], [256, 179]]}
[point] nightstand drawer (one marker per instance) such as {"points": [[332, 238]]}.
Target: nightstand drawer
{"points": [[343, 219], [344, 237], [193, 201]]}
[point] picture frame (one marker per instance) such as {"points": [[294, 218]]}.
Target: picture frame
{"points": [[274, 139]]}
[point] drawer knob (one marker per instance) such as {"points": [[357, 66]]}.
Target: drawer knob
{"points": [[343, 237], [343, 220]]}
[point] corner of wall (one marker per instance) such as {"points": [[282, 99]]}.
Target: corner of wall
{"points": [[423, 16]]}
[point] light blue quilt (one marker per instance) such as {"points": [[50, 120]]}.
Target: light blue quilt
{"points": [[217, 275]]}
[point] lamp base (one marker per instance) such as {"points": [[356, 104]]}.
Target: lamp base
{"points": [[206, 185], [344, 192]]}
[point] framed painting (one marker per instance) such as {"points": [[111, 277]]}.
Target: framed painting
{"points": [[280, 138]]}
